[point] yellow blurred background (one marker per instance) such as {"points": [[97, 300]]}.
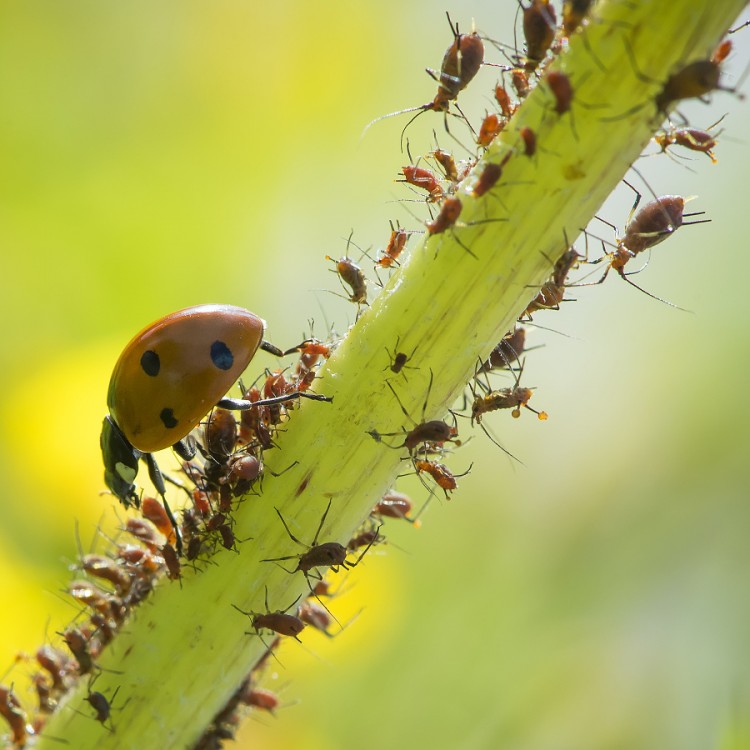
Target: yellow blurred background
{"points": [[157, 156]]}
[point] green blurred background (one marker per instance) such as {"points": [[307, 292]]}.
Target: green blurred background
{"points": [[162, 155]]}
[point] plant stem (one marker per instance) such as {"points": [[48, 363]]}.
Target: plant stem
{"points": [[183, 653]]}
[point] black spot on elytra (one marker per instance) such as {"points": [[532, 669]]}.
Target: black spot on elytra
{"points": [[150, 363], [221, 355], [168, 419]]}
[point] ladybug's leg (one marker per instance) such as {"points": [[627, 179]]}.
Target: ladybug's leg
{"points": [[267, 346], [157, 480]]}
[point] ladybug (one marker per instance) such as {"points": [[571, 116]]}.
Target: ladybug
{"points": [[167, 379]]}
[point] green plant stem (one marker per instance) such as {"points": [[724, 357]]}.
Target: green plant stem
{"points": [[184, 651]]}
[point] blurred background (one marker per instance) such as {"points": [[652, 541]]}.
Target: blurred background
{"points": [[157, 156]]}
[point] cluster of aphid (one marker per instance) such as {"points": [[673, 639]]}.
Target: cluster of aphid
{"points": [[159, 397]]}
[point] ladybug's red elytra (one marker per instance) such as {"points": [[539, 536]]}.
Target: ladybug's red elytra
{"points": [[168, 378]]}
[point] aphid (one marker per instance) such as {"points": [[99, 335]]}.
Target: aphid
{"points": [[244, 469], [166, 380], [399, 359], [692, 81], [690, 138], [172, 561], [722, 51], [80, 647], [490, 175], [440, 473], [365, 538], [448, 216], [448, 164], [461, 62], [55, 663], [396, 245], [107, 570], [393, 505], [529, 140], [102, 707], [520, 82], [325, 555], [144, 532], [47, 703], [316, 616], [539, 26], [279, 621], [574, 13], [350, 273], [13, 713], [90, 595], [434, 431], [502, 97], [552, 292], [487, 180], [491, 127], [153, 511], [561, 89], [220, 434], [508, 351], [261, 698], [505, 398], [424, 179], [651, 225]]}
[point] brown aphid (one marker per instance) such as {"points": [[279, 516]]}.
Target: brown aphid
{"points": [[325, 555], [399, 359], [352, 275], [107, 570], [655, 222], [80, 647], [144, 532], [244, 468], [722, 51], [561, 89], [316, 616], [440, 473], [141, 561], [394, 505], [539, 27], [13, 713], [520, 81], [447, 163], [505, 398], [424, 179], [651, 225], [365, 538], [529, 140], [693, 139], [502, 97], [220, 435], [574, 13], [172, 561], [279, 621], [261, 698], [693, 81], [396, 245], [487, 180], [491, 127], [507, 352], [90, 595], [152, 510], [47, 704], [461, 62], [432, 432], [55, 663], [448, 216]]}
